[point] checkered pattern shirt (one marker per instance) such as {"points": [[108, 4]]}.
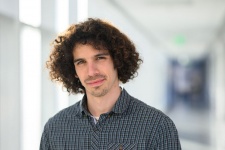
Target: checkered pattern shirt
{"points": [[131, 125]]}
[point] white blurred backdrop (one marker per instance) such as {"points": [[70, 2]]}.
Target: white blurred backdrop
{"points": [[182, 43]]}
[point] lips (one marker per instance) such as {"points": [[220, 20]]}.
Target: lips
{"points": [[95, 83]]}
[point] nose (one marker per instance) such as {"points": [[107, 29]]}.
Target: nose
{"points": [[92, 69]]}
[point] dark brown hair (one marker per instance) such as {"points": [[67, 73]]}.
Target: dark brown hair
{"points": [[101, 35]]}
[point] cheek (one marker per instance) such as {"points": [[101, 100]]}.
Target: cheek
{"points": [[80, 74]]}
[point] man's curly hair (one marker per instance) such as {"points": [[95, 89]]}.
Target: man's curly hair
{"points": [[101, 35]]}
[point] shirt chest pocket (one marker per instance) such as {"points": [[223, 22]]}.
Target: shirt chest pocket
{"points": [[121, 146]]}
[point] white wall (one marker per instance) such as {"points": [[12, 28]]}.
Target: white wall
{"points": [[10, 85], [217, 88], [10, 8]]}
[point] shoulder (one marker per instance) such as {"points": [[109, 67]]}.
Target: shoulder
{"points": [[152, 117], [64, 114], [146, 111]]}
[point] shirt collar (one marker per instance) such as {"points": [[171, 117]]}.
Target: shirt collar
{"points": [[121, 104], [83, 106]]}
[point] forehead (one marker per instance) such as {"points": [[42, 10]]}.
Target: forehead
{"points": [[85, 50]]}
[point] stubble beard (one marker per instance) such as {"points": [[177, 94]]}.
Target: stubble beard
{"points": [[97, 93]]}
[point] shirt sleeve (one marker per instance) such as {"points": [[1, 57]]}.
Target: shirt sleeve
{"points": [[45, 145], [167, 137]]}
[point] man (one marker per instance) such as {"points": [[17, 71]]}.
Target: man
{"points": [[93, 57]]}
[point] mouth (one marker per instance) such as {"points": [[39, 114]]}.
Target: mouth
{"points": [[96, 83]]}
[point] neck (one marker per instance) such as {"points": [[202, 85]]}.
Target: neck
{"points": [[103, 104]]}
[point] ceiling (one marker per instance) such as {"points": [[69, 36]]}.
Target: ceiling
{"points": [[181, 27]]}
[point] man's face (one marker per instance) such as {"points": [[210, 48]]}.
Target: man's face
{"points": [[95, 70]]}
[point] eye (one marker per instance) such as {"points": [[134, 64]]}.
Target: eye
{"points": [[100, 57], [80, 62]]}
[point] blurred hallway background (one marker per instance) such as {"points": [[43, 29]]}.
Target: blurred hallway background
{"points": [[182, 43]]}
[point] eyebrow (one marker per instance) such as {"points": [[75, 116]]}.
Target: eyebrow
{"points": [[98, 55], [76, 60], [102, 54]]}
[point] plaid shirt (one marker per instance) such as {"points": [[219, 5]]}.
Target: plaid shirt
{"points": [[131, 125]]}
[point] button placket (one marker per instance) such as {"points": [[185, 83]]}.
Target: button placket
{"points": [[95, 136]]}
